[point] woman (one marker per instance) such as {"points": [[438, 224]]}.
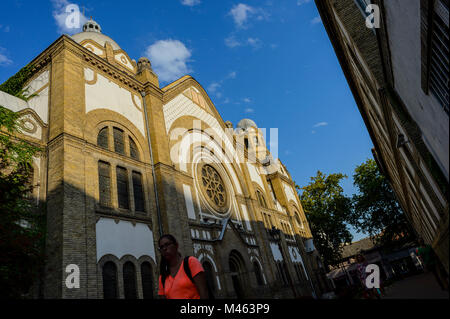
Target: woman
{"points": [[174, 283]]}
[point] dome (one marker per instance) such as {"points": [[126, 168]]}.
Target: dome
{"points": [[246, 124], [93, 31]]}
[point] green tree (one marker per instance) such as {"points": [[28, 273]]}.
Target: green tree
{"points": [[22, 226], [376, 210], [327, 210]]}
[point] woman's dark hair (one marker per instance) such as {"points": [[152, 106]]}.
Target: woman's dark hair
{"points": [[164, 267]]}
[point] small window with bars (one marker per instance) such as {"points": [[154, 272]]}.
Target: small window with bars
{"points": [[122, 187], [119, 146], [138, 192]]}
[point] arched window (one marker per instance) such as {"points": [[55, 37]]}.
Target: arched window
{"points": [[102, 138], [109, 274], [147, 280], [259, 278], [261, 200], [122, 187], [129, 280], [138, 192], [119, 146], [104, 183], [134, 153], [209, 272]]}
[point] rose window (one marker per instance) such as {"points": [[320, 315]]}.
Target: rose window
{"points": [[213, 186]]}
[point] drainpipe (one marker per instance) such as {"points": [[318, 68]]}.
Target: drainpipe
{"points": [[155, 187]]}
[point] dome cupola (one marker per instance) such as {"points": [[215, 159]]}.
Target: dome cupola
{"points": [[92, 26]]}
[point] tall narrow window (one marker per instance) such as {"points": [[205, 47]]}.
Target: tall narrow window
{"points": [[129, 280], [102, 138], [147, 280], [138, 192], [122, 187], [435, 50], [104, 183], [246, 143], [118, 141], [209, 275], [134, 153], [29, 183], [259, 278], [109, 274], [261, 200], [439, 70]]}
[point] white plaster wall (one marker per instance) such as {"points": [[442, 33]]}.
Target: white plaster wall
{"points": [[123, 238], [254, 175], [403, 25], [105, 94], [289, 192], [183, 106], [276, 252], [246, 219], [27, 118], [189, 202], [38, 82], [39, 104], [94, 49], [128, 64]]}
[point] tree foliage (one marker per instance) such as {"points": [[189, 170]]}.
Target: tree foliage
{"points": [[21, 225], [375, 208], [327, 210]]}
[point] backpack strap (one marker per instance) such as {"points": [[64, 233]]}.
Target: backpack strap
{"points": [[187, 269]]}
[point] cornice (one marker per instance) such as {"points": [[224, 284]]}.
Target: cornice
{"points": [[64, 42]]}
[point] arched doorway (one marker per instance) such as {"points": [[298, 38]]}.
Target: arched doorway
{"points": [[237, 272]]}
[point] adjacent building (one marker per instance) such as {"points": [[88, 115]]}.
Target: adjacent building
{"points": [[125, 161], [395, 56]]}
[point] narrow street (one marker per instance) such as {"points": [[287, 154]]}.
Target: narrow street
{"points": [[422, 286]]}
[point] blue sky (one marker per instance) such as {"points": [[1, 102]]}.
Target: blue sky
{"points": [[270, 61]]}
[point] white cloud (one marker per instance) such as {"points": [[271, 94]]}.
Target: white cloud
{"points": [[241, 14], [61, 13], [302, 2], [254, 42], [232, 75], [313, 132], [213, 87], [316, 20], [169, 59], [320, 124], [190, 3], [3, 58], [231, 42], [249, 110], [247, 100]]}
